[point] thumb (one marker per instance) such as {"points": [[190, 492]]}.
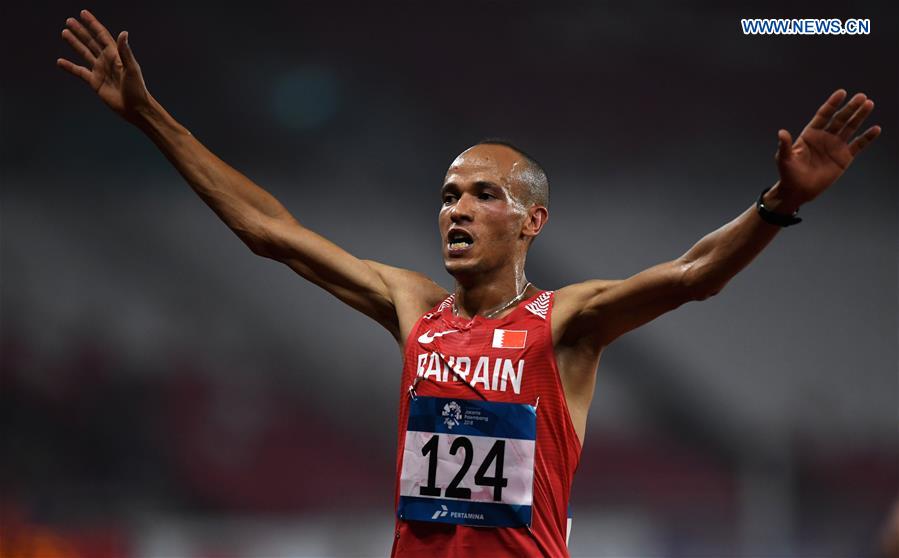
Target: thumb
{"points": [[125, 50], [784, 145]]}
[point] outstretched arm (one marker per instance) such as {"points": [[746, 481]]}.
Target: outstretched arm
{"points": [[391, 296], [601, 311]]}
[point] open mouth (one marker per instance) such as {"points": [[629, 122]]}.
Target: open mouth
{"points": [[458, 240]]}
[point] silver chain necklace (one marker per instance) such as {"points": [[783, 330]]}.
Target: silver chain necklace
{"points": [[492, 313]]}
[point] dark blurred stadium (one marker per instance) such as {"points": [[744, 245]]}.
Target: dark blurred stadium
{"points": [[167, 394]]}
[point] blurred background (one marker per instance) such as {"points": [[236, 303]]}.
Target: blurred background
{"points": [[165, 393]]}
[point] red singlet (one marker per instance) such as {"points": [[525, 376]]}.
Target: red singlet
{"points": [[429, 346]]}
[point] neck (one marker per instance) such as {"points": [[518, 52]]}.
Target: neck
{"points": [[486, 295]]}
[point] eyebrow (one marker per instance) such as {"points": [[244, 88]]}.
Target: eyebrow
{"points": [[479, 184]]}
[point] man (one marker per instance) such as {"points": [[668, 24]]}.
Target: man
{"points": [[499, 375]]}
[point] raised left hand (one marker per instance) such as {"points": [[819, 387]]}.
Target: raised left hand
{"points": [[823, 150]]}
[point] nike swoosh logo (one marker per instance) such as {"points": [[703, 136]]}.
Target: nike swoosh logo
{"points": [[427, 337]]}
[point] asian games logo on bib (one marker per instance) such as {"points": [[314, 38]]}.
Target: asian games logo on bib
{"points": [[452, 414]]}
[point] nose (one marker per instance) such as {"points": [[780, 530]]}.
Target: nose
{"points": [[462, 209]]}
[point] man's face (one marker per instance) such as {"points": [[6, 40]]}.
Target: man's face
{"points": [[482, 214]]}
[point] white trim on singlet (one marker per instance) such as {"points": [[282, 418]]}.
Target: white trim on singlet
{"points": [[540, 305]]}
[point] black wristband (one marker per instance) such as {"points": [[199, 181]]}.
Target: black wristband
{"points": [[769, 216]]}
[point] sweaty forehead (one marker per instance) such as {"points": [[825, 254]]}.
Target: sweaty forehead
{"points": [[496, 161]]}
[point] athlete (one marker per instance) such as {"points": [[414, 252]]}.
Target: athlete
{"points": [[498, 375]]}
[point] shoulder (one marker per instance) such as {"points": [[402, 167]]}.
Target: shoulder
{"points": [[574, 301], [409, 285], [411, 292], [577, 297]]}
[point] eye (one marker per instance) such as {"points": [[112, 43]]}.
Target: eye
{"points": [[448, 199], [485, 196]]}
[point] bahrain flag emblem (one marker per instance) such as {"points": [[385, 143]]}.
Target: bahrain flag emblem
{"points": [[509, 338]]}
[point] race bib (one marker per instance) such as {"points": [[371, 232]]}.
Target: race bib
{"points": [[468, 462]]}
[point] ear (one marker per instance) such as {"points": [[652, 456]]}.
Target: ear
{"points": [[534, 221]]}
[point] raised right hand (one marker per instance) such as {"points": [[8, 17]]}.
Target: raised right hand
{"points": [[111, 70]]}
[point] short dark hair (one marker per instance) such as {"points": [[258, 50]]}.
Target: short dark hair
{"points": [[533, 176]]}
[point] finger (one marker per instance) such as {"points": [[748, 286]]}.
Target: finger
{"points": [[78, 46], [125, 50], [84, 36], [784, 145], [74, 69], [842, 116], [856, 120], [864, 140], [826, 110], [97, 30]]}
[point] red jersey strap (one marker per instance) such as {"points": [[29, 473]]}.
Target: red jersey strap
{"points": [[540, 305], [447, 303]]}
